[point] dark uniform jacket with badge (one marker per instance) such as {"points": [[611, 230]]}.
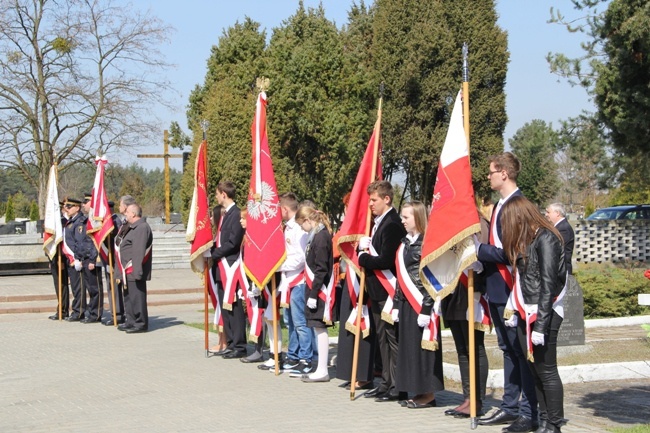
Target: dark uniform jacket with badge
{"points": [[78, 241]]}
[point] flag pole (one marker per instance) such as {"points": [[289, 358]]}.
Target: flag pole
{"points": [[206, 265], [470, 273], [272, 304], [112, 277], [362, 282], [60, 280]]}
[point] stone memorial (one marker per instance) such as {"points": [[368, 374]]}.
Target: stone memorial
{"points": [[572, 331]]}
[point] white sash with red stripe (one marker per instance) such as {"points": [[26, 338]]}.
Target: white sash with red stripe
{"points": [[289, 280], [415, 298], [67, 251], [325, 293], [388, 282], [353, 290], [218, 319], [230, 275], [529, 311]]}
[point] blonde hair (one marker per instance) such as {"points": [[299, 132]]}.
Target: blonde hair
{"points": [[311, 214]]}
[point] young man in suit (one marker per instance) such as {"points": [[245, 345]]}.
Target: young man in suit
{"points": [[518, 380], [225, 253], [556, 214], [377, 256]]}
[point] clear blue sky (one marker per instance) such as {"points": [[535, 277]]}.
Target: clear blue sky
{"points": [[532, 91]]}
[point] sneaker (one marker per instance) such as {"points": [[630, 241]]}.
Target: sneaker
{"points": [[303, 368], [290, 364], [267, 365]]}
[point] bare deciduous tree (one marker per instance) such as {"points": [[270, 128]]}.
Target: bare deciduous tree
{"points": [[77, 77]]}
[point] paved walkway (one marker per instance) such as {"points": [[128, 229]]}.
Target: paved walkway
{"points": [[71, 377]]}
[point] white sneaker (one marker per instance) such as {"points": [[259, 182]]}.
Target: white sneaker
{"points": [[267, 365]]}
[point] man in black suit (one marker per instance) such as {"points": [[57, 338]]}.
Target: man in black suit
{"points": [[136, 259], [225, 253], [517, 377], [556, 214], [377, 254]]}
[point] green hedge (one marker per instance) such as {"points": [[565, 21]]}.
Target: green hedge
{"points": [[611, 290]]}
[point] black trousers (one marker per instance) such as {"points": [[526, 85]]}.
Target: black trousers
{"points": [[91, 284], [65, 290], [548, 385], [119, 296], [78, 292], [234, 322], [460, 332], [135, 304], [387, 344]]}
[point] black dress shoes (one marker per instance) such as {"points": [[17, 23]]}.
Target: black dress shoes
{"points": [[413, 405], [124, 327], [522, 424], [498, 417], [88, 320], [368, 385], [134, 330], [234, 355], [390, 397], [72, 318], [373, 393], [109, 322], [56, 316], [222, 352]]}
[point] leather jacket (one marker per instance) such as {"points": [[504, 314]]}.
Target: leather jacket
{"points": [[543, 275], [412, 255]]}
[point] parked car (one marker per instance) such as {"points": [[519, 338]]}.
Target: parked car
{"points": [[623, 212]]}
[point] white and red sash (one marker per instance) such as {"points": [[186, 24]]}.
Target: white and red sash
{"points": [[214, 297], [353, 290], [504, 270], [289, 280], [528, 312], [325, 293], [231, 275], [67, 251], [482, 318], [415, 298], [388, 282], [255, 314]]}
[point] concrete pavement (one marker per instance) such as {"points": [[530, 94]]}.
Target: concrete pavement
{"points": [[71, 377]]}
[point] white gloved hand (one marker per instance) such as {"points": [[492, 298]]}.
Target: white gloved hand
{"points": [[255, 291], [364, 243], [512, 322], [394, 314], [207, 254], [77, 265], [423, 320], [312, 304], [477, 243], [537, 338], [476, 267]]}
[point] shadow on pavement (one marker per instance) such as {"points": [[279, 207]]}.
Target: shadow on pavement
{"points": [[161, 322], [624, 405]]}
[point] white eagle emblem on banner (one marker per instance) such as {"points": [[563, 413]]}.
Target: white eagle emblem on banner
{"points": [[264, 204]]}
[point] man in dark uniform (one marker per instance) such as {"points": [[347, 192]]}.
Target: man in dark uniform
{"points": [[377, 254], [135, 256], [229, 238], [54, 268], [92, 274], [123, 225], [78, 249]]}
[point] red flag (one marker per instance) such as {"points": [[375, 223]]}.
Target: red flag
{"points": [[199, 229], [354, 225], [52, 228], [448, 248], [100, 221], [265, 249]]}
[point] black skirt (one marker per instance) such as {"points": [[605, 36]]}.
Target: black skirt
{"points": [[345, 349], [315, 317], [419, 371]]}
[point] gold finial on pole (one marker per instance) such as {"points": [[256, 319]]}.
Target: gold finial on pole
{"points": [[262, 84]]}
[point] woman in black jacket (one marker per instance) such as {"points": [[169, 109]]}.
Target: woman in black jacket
{"points": [[535, 249], [419, 355]]}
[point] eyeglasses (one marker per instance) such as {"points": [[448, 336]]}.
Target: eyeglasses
{"points": [[68, 206], [490, 173]]}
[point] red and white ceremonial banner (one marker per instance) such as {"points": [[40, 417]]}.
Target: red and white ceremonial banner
{"points": [[265, 250], [100, 219], [354, 227], [199, 230], [448, 247], [52, 227]]}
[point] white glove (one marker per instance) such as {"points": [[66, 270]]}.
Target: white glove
{"points": [[537, 338], [255, 291], [394, 314], [364, 243], [207, 254], [477, 243], [423, 320], [476, 267], [311, 303], [512, 322], [77, 265]]}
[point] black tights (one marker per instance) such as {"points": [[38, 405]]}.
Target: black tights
{"points": [[461, 338]]}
